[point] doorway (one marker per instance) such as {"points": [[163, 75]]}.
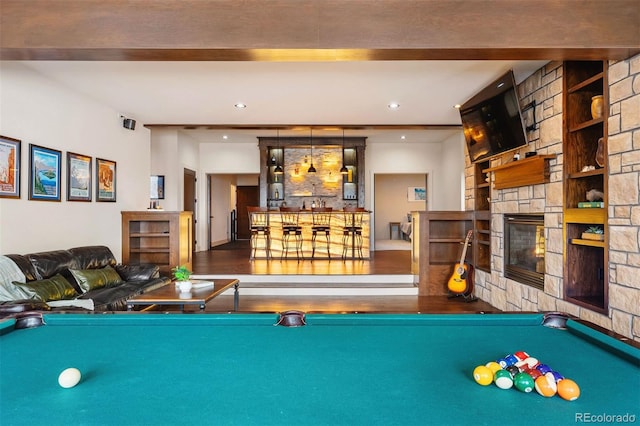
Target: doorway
{"points": [[246, 196], [189, 201]]}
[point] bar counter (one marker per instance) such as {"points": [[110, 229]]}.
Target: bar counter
{"points": [[305, 220]]}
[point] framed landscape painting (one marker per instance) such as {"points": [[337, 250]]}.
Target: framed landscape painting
{"points": [[78, 177], [105, 180], [44, 173], [9, 167]]}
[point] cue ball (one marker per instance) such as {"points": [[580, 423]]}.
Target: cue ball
{"points": [[69, 378]]}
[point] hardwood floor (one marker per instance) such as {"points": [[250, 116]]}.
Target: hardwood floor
{"points": [[234, 259]]}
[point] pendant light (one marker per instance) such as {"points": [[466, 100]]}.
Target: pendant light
{"points": [[343, 169], [278, 170], [311, 168]]}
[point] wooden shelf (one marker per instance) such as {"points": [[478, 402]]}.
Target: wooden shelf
{"points": [[529, 171], [590, 243]]}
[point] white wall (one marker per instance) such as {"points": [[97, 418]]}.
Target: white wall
{"points": [[40, 111], [450, 180], [392, 204]]}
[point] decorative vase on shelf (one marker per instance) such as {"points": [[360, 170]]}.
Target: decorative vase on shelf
{"points": [[597, 104]]}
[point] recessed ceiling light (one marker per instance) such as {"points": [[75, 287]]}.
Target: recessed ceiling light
{"points": [[225, 137], [240, 105], [394, 105], [457, 106], [403, 137]]}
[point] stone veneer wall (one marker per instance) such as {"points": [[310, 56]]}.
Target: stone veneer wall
{"points": [[545, 86]]}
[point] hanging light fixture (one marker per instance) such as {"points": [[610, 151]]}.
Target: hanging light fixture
{"points": [[311, 168], [278, 170], [343, 169]]}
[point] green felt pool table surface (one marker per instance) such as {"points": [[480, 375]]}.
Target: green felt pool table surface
{"points": [[339, 369]]}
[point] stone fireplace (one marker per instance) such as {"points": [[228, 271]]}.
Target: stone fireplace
{"points": [[524, 249]]}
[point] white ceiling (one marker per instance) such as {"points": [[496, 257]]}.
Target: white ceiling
{"points": [[286, 93]]}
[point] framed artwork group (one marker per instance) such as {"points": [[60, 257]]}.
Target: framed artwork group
{"points": [[45, 171]]}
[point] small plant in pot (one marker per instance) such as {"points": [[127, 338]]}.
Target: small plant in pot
{"points": [[593, 233], [181, 274]]}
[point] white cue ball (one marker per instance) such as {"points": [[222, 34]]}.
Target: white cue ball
{"points": [[69, 377]]}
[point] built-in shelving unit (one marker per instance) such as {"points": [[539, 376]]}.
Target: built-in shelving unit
{"points": [[482, 217], [157, 237], [585, 169], [350, 180], [275, 180], [442, 234]]}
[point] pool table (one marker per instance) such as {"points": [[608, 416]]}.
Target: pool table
{"points": [[338, 369]]}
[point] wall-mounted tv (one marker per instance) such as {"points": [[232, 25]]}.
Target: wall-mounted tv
{"points": [[492, 120]]}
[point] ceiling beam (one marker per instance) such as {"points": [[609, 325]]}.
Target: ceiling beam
{"points": [[327, 30]]}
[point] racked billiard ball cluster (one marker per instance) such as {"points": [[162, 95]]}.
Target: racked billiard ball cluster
{"points": [[525, 373]]}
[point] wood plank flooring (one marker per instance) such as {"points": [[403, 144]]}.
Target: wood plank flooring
{"points": [[235, 259]]}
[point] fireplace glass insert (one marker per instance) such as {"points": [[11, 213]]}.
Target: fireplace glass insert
{"points": [[524, 249]]}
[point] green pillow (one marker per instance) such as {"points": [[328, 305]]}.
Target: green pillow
{"points": [[91, 279], [54, 288]]}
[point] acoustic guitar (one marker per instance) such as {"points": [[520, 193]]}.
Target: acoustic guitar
{"points": [[461, 281]]}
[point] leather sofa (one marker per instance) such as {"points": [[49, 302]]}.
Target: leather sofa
{"points": [[73, 277]]}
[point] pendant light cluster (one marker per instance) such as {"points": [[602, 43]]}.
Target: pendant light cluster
{"points": [[278, 170]]}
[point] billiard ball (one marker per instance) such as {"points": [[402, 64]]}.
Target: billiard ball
{"points": [[543, 368], [557, 376], [483, 375], [69, 378], [523, 382], [521, 355], [510, 360], [503, 379], [502, 362], [534, 373], [493, 366], [532, 362], [546, 386], [568, 389], [513, 370]]}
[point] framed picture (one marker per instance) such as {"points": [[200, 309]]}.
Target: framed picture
{"points": [[417, 193], [9, 167], [44, 173], [105, 180], [78, 177], [157, 188]]}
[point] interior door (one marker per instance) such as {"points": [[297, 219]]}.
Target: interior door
{"points": [[245, 196], [190, 199]]}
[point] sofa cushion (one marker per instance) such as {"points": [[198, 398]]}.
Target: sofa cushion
{"points": [[54, 288], [93, 257], [90, 279], [138, 272], [9, 272], [25, 266], [49, 263]]}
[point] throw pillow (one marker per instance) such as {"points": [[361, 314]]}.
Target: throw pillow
{"points": [[91, 279], [54, 288]]}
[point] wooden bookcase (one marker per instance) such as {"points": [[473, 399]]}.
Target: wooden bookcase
{"points": [[586, 269], [157, 237], [482, 217]]}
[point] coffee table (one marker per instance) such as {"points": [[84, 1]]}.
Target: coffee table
{"points": [[171, 295]]}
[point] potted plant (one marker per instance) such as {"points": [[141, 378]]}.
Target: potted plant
{"points": [[595, 233], [181, 274]]}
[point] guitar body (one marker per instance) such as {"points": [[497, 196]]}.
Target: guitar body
{"points": [[461, 281]]}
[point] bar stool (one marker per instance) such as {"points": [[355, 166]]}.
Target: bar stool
{"points": [[352, 229], [289, 217], [321, 217], [260, 228]]}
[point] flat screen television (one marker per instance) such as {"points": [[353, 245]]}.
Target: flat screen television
{"points": [[492, 120]]}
